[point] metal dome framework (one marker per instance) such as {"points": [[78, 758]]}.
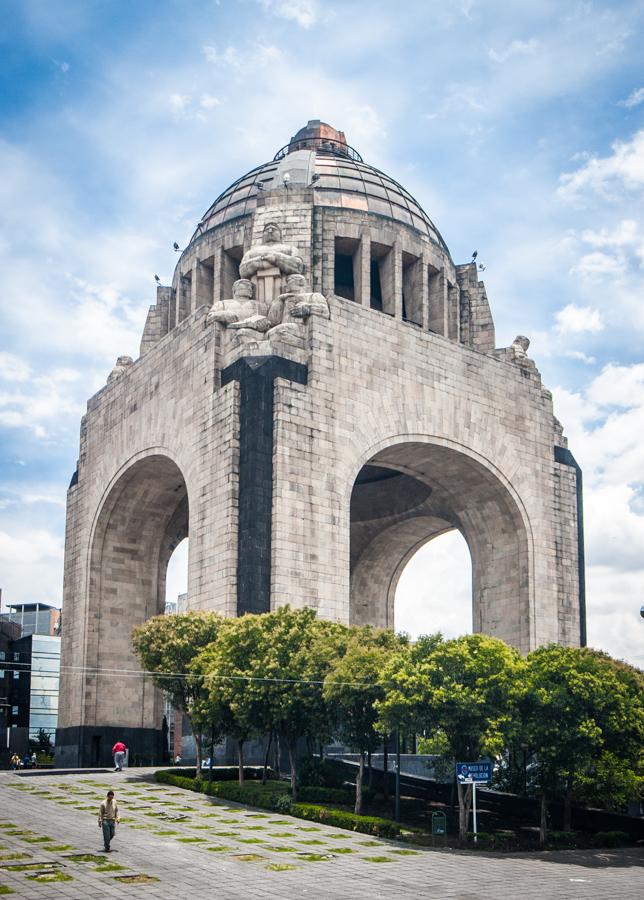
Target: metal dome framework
{"points": [[341, 180]]}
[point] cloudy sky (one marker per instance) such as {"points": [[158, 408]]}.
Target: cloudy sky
{"points": [[519, 128]]}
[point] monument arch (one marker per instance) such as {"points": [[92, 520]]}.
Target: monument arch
{"points": [[317, 341]]}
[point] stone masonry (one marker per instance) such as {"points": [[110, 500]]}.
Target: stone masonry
{"points": [[310, 429]]}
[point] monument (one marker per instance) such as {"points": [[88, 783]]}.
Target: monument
{"points": [[318, 394]]}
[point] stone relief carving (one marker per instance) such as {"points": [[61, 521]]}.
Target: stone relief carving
{"points": [[271, 253]]}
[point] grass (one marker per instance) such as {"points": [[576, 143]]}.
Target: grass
{"points": [[279, 849], [217, 849], [341, 837], [225, 833], [406, 852], [39, 840], [308, 828], [280, 867], [250, 840], [165, 833], [135, 879], [311, 841], [109, 867], [345, 850], [378, 859], [279, 822], [314, 857], [191, 840], [5, 889], [370, 844], [47, 877], [7, 825], [25, 867], [15, 855], [282, 834], [248, 857], [86, 857], [59, 848]]}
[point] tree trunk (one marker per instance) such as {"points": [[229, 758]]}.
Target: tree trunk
{"points": [[292, 762], [197, 738], [369, 769], [266, 756], [567, 822], [358, 807], [543, 823], [212, 752], [464, 802], [385, 769], [240, 753], [278, 754]]}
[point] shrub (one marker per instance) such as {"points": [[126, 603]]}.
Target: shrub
{"points": [[373, 825], [611, 838], [275, 797], [316, 772], [563, 838]]}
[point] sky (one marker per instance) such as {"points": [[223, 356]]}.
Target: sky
{"points": [[518, 127]]}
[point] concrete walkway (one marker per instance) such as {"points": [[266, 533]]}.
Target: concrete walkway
{"points": [[197, 847]]}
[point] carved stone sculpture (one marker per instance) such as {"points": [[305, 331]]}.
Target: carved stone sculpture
{"points": [[297, 303], [520, 346], [123, 363], [241, 311], [271, 253]]}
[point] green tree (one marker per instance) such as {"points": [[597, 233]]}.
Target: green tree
{"points": [[166, 647], [466, 688], [583, 713], [351, 689], [231, 670]]}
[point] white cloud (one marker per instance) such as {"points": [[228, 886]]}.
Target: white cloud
{"points": [[573, 319], [179, 102], [514, 48], [31, 564], [12, 368], [598, 265], [581, 356], [623, 170], [634, 98], [304, 12], [209, 101]]}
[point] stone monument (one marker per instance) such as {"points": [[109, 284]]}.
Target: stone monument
{"points": [[318, 394]]}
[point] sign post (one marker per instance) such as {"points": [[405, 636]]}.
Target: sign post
{"points": [[474, 773]]}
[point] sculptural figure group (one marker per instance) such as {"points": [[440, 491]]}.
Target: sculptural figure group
{"points": [[258, 309]]}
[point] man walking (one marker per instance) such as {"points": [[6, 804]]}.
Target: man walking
{"points": [[108, 816], [118, 752]]}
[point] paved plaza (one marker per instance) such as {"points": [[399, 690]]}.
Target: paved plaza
{"points": [[184, 844]]}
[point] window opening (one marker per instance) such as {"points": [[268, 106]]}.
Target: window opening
{"points": [[412, 299], [346, 274], [382, 279], [230, 260]]}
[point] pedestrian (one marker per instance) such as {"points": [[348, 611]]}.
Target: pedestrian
{"points": [[177, 759], [15, 761], [118, 752], [108, 817], [34, 760]]}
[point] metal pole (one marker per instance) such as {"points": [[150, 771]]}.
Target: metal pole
{"points": [[474, 810], [397, 808]]}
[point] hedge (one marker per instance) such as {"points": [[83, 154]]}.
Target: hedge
{"points": [[274, 796]]}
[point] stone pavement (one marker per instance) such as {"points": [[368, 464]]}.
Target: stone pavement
{"points": [[187, 844]]}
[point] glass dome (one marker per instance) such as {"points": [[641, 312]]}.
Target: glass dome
{"points": [[339, 179]]}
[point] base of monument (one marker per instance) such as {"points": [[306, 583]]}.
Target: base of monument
{"points": [[91, 745]]}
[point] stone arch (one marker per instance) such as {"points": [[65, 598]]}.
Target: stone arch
{"points": [[143, 516], [408, 491]]}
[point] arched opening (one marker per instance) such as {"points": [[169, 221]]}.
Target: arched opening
{"points": [[142, 520], [410, 493], [176, 579], [434, 591]]}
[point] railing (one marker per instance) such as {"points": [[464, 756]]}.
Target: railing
{"points": [[337, 148]]}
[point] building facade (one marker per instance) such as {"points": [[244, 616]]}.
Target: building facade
{"points": [[318, 394]]}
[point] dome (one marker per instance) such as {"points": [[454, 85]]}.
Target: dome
{"points": [[319, 157]]}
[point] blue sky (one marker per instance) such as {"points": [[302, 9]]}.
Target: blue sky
{"points": [[519, 128]]}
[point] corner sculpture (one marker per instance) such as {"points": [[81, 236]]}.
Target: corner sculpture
{"points": [[318, 394]]}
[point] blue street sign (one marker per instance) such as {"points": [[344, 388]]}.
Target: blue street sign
{"points": [[478, 772]]}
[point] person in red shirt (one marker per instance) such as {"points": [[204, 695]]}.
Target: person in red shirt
{"points": [[118, 752]]}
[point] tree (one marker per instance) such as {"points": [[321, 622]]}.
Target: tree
{"points": [[231, 670], [466, 688], [299, 652], [353, 686], [166, 647], [583, 712]]}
